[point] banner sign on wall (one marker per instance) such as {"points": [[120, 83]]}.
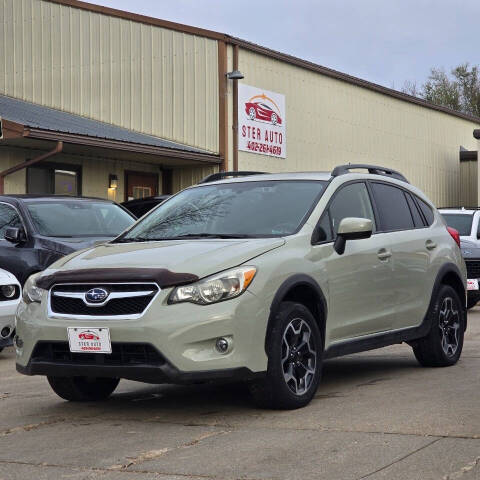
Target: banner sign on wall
{"points": [[261, 121]]}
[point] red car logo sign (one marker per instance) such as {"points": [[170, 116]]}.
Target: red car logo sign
{"points": [[262, 108]]}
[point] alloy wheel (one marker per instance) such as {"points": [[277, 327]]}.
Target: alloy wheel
{"points": [[449, 324], [299, 356]]}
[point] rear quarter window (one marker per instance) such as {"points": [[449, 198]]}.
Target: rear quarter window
{"points": [[426, 210]]}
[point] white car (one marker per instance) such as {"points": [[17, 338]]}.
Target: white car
{"points": [[467, 222], [10, 293]]}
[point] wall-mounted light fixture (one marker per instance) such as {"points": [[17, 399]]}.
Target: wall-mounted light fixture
{"points": [[112, 181], [235, 75]]}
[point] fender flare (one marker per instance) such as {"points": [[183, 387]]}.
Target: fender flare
{"points": [[446, 269], [291, 282]]}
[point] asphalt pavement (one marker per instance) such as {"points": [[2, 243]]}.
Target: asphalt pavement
{"points": [[377, 415]]}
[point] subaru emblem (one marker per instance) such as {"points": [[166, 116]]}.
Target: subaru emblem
{"points": [[96, 295]]}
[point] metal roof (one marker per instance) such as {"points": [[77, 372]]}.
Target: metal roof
{"points": [[38, 116]]}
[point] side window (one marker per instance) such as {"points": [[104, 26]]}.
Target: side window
{"points": [[8, 218], [427, 211], [417, 218], [392, 208], [351, 201], [324, 229]]}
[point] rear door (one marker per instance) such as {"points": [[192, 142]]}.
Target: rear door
{"points": [[360, 281], [403, 226]]}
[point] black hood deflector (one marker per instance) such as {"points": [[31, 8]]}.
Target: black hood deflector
{"points": [[161, 276]]}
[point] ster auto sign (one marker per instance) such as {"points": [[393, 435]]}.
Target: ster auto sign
{"points": [[261, 122]]}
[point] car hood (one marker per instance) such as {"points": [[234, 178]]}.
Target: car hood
{"points": [[197, 257], [66, 246]]}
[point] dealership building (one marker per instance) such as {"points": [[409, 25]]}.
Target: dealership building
{"points": [[100, 102]]}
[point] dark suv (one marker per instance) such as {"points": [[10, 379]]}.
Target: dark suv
{"points": [[35, 230]]}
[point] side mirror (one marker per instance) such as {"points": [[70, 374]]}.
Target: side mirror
{"points": [[15, 235], [352, 229]]}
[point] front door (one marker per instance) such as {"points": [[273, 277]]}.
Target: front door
{"points": [[140, 185]]}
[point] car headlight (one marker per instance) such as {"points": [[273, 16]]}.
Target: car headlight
{"points": [[32, 293], [9, 291], [223, 286]]}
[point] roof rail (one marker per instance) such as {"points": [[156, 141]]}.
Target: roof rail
{"points": [[373, 169], [223, 175]]}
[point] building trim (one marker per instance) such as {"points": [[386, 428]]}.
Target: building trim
{"points": [[136, 17], [227, 39], [222, 104], [235, 110], [468, 155], [39, 134]]}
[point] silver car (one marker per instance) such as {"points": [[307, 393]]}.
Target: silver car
{"points": [[257, 278]]}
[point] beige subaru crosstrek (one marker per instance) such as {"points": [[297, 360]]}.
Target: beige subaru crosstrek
{"points": [[259, 278]]}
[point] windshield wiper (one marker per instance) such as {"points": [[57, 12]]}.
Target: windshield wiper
{"points": [[186, 236], [207, 235]]}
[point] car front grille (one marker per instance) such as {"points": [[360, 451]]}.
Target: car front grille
{"points": [[473, 268], [123, 354], [123, 300]]}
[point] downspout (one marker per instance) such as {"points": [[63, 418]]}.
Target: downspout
{"points": [[58, 149], [235, 111]]}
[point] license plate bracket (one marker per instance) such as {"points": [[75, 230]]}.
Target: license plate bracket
{"points": [[89, 340]]}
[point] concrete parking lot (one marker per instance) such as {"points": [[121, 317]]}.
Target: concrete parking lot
{"points": [[377, 415]]}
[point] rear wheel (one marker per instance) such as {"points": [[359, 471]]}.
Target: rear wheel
{"points": [[83, 389], [443, 345], [1, 349], [295, 349]]}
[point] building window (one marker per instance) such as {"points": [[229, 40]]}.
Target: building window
{"points": [[54, 179]]}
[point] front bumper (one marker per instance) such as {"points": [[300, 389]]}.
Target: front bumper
{"points": [[183, 334], [162, 372]]}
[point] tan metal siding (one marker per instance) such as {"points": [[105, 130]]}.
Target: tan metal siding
{"points": [[185, 177], [142, 77], [330, 122], [469, 183]]}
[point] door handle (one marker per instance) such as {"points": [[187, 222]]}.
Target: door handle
{"points": [[384, 254], [430, 244]]}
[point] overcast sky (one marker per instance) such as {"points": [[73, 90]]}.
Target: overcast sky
{"points": [[384, 41]]}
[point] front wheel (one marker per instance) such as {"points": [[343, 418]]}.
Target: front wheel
{"points": [[295, 350], [83, 389], [443, 345]]}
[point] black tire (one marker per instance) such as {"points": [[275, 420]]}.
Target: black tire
{"points": [[443, 345], [1, 349], [471, 303], [83, 389], [274, 391]]}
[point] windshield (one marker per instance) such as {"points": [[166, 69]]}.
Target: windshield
{"points": [[231, 210], [78, 218], [459, 221]]}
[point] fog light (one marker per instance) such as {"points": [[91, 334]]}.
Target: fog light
{"points": [[18, 341], [222, 345], [8, 291]]}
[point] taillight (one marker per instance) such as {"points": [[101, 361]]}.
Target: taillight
{"points": [[455, 235]]}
